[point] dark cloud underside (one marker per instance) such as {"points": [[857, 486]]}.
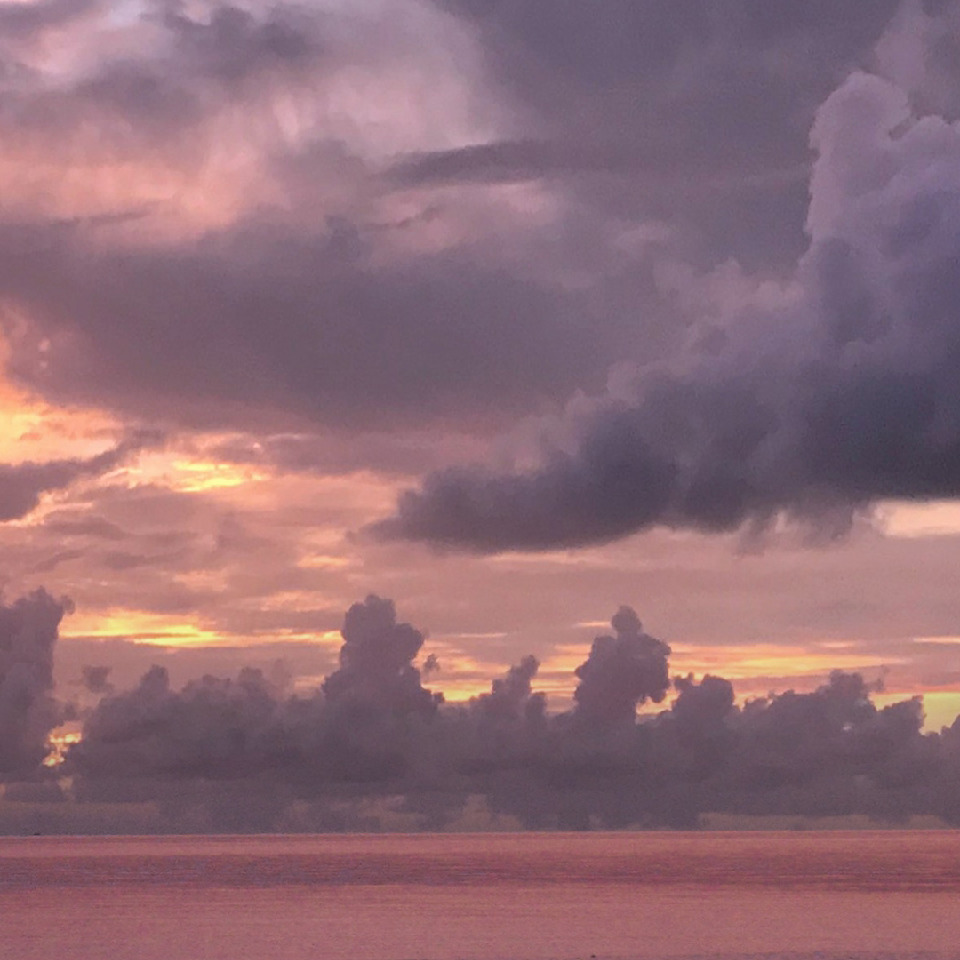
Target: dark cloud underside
{"points": [[844, 394]]}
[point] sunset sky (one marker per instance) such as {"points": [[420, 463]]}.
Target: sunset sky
{"points": [[513, 312]]}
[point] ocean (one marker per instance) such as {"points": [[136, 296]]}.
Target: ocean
{"points": [[529, 896]]}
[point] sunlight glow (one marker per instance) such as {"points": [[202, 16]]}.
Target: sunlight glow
{"points": [[935, 519], [164, 630]]}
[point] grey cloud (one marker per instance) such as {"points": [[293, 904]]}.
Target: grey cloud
{"points": [[306, 306], [376, 662], [51, 563], [95, 678], [650, 169], [510, 697], [22, 484], [61, 523], [280, 321], [687, 86], [621, 672], [27, 20], [170, 87], [358, 730], [346, 323], [843, 396], [129, 660], [125, 560], [242, 754], [28, 711], [233, 43]]}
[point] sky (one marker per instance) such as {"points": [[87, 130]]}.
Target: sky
{"points": [[513, 313]]}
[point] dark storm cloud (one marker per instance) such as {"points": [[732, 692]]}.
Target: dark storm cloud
{"points": [[306, 304], [242, 754], [280, 319], [28, 711], [635, 94], [22, 484], [329, 295], [842, 395]]}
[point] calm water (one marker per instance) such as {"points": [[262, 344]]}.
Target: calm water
{"points": [[891, 895]]}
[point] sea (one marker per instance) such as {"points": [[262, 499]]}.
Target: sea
{"points": [[886, 895]]}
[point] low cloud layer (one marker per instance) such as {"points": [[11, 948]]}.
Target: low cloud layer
{"points": [[839, 394], [244, 754]]}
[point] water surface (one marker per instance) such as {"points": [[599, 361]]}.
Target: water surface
{"points": [[863, 895]]}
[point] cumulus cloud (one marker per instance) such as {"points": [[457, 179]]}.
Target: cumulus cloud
{"points": [[28, 711], [376, 662], [242, 753], [843, 395], [357, 728], [622, 671]]}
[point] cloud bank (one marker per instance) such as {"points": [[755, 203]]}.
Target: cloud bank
{"points": [[244, 754]]}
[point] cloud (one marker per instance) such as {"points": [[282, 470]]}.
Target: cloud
{"points": [[842, 396], [621, 672], [234, 165], [517, 160], [376, 662], [22, 484], [282, 322], [95, 678], [228, 181], [28, 20], [28, 711], [628, 103], [354, 729], [244, 754]]}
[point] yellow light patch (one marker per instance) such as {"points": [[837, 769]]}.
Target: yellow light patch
{"points": [[191, 477], [58, 744], [769, 660], [940, 709], [742, 662], [140, 627], [31, 430]]}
